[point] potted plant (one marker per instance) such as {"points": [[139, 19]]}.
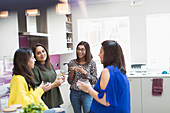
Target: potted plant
{"points": [[33, 108]]}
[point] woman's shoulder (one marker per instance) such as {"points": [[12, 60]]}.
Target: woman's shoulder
{"points": [[72, 61], [112, 68], [92, 62], [18, 78], [105, 77], [105, 71]]}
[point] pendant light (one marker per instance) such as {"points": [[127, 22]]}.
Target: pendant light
{"points": [[63, 8], [32, 12], [3, 14]]}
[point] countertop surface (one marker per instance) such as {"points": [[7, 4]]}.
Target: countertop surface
{"points": [[149, 76]]}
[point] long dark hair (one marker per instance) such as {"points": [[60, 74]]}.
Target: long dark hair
{"points": [[88, 56], [47, 61], [113, 55], [21, 58]]}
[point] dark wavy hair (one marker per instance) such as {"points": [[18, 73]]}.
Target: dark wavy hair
{"points": [[47, 61], [113, 55], [88, 56], [21, 58]]}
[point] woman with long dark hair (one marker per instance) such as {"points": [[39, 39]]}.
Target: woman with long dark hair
{"points": [[83, 67], [44, 71], [111, 94], [22, 87]]}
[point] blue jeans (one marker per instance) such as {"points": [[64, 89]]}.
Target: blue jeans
{"points": [[80, 99]]}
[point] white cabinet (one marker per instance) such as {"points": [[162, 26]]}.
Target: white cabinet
{"points": [[142, 100], [56, 30], [135, 91], [56, 27], [65, 91], [155, 104]]}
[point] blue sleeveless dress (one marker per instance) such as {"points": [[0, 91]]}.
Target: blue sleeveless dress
{"points": [[117, 93]]}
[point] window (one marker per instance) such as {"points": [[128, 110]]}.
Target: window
{"points": [[95, 31], [158, 39]]}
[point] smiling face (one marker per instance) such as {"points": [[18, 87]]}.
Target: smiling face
{"points": [[101, 55], [31, 61], [40, 54], [81, 51]]}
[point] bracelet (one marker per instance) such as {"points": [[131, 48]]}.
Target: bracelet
{"points": [[88, 90]]}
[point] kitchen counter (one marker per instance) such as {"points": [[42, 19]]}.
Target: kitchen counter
{"points": [[149, 76], [142, 98]]}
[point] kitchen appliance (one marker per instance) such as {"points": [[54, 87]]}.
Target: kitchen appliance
{"points": [[138, 69]]}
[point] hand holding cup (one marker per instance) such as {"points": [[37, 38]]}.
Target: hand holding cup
{"points": [[84, 85]]}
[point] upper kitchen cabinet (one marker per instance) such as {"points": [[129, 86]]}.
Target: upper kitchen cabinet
{"points": [[57, 28], [33, 24], [49, 28], [32, 29]]}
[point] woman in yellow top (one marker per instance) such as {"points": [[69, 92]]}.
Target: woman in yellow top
{"points": [[22, 87]]}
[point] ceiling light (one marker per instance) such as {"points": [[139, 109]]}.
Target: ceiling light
{"points": [[63, 8], [3, 14], [32, 12]]}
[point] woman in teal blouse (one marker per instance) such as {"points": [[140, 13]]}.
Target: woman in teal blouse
{"points": [[44, 71]]}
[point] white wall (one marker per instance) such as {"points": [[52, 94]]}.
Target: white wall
{"points": [[9, 35], [137, 15]]}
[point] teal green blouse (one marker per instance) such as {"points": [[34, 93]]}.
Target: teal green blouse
{"points": [[52, 98]]}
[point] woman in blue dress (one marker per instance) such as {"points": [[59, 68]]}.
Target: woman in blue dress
{"points": [[111, 93]]}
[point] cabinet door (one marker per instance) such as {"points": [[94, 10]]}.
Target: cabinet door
{"points": [[155, 104], [65, 91], [135, 92], [56, 27]]}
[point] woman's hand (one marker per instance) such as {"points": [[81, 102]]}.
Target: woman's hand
{"points": [[71, 72], [58, 81], [84, 86], [45, 87], [72, 69], [81, 70], [63, 78]]}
